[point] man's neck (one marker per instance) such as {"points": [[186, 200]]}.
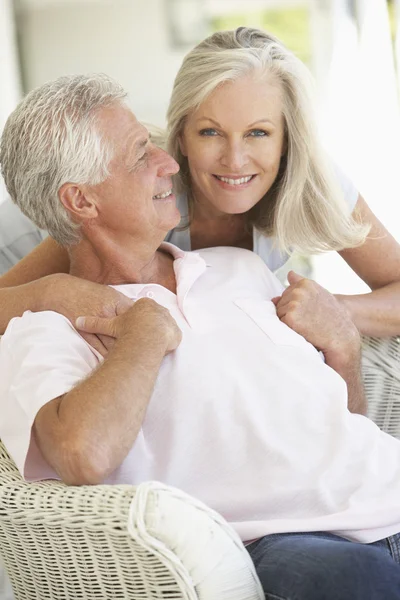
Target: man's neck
{"points": [[122, 262]]}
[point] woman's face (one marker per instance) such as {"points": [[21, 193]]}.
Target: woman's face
{"points": [[234, 142]]}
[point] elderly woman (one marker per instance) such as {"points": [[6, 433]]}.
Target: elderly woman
{"points": [[252, 175]]}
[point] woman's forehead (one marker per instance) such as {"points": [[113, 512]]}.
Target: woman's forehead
{"points": [[250, 98]]}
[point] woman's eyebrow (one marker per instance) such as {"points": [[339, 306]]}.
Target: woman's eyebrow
{"points": [[262, 120], [209, 119]]}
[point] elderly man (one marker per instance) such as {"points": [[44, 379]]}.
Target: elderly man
{"points": [[205, 388]]}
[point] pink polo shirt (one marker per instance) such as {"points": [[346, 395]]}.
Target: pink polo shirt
{"points": [[244, 416]]}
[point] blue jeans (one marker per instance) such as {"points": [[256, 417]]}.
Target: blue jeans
{"points": [[323, 566]]}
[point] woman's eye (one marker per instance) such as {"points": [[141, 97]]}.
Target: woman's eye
{"points": [[208, 132], [258, 133]]}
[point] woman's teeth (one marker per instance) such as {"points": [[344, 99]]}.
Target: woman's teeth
{"points": [[235, 181], [162, 196]]}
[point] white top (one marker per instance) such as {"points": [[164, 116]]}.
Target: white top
{"points": [[18, 235], [244, 416], [262, 245]]}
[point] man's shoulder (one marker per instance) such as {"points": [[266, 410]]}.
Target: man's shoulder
{"points": [[45, 332], [31, 327]]}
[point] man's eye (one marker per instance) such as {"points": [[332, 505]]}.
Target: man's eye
{"points": [[258, 133], [208, 132]]}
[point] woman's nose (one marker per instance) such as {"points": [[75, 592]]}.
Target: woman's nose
{"points": [[234, 157]]}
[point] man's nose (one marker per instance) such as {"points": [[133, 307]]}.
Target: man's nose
{"points": [[167, 165], [234, 156]]}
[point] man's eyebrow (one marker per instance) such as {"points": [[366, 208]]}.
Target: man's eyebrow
{"points": [[140, 145], [134, 152]]}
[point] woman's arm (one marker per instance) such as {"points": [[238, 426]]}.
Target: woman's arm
{"points": [[26, 287], [40, 282], [45, 259], [377, 262]]}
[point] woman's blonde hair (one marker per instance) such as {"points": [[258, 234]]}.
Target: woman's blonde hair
{"points": [[304, 208]]}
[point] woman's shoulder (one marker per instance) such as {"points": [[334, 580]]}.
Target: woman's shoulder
{"points": [[267, 249], [349, 190]]}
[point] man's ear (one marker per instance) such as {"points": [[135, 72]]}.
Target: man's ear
{"points": [[77, 202]]}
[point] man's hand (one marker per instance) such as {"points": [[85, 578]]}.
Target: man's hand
{"points": [[72, 296], [310, 310], [146, 318]]}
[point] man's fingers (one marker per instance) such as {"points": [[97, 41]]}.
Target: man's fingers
{"points": [[107, 341], [96, 325], [276, 299], [95, 342], [123, 305]]}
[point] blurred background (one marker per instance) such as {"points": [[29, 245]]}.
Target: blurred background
{"points": [[352, 48]]}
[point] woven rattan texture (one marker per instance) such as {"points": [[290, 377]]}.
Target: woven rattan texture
{"points": [[103, 542], [60, 542], [381, 372]]}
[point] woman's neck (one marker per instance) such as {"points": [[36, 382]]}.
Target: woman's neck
{"points": [[207, 231]]}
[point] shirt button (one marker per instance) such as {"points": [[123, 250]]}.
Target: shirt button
{"points": [[150, 295]]}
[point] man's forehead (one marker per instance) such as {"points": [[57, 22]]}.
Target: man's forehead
{"points": [[119, 121], [138, 136]]}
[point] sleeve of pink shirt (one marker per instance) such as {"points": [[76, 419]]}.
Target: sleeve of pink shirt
{"points": [[41, 358]]}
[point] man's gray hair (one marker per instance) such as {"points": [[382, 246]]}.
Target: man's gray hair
{"points": [[52, 138]]}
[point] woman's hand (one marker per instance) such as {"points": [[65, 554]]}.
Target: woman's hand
{"points": [[315, 314], [73, 297], [310, 310]]}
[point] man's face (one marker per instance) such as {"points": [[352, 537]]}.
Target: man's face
{"points": [[136, 199]]}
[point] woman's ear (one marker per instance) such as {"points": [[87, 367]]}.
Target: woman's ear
{"points": [[182, 144], [77, 202]]}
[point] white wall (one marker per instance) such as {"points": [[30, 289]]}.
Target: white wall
{"points": [[127, 39], [361, 122], [9, 70]]}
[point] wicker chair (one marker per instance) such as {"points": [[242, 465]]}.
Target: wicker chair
{"points": [[132, 543], [381, 372], [148, 542]]}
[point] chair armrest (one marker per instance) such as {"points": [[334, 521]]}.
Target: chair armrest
{"points": [[116, 541], [381, 373]]}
